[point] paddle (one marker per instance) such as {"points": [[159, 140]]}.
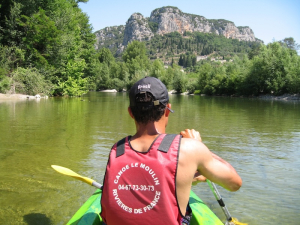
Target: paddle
{"points": [[71, 173], [230, 220]]}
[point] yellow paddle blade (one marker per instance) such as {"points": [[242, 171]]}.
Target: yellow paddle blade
{"points": [[71, 173], [236, 222]]}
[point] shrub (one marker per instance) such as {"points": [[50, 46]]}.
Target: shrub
{"points": [[5, 83], [30, 81]]}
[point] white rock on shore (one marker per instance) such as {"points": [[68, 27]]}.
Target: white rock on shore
{"points": [[109, 90]]}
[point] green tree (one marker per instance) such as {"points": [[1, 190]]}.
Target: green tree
{"points": [[105, 56], [75, 85], [30, 81], [179, 82], [157, 69], [135, 58], [41, 38], [290, 43]]}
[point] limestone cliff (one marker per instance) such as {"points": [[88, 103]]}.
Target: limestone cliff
{"points": [[110, 37], [137, 28], [170, 19]]}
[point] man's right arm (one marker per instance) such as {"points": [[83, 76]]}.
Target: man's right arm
{"points": [[209, 164]]}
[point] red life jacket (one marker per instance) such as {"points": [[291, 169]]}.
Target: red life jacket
{"points": [[139, 187]]}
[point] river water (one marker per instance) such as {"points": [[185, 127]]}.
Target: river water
{"points": [[260, 138]]}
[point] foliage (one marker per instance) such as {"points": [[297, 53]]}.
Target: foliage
{"points": [[41, 37], [49, 36], [30, 81], [75, 85], [271, 68], [153, 26], [274, 69], [10, 58], [290, 43], [157, 69], [136, 59], [187, 60], [179, 81], [5, 83], [105, 56]]}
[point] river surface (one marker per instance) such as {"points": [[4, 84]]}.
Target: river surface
{"points": [[260, 138]]}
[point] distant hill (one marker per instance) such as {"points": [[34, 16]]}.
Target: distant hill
{"points": [[169, 32]]}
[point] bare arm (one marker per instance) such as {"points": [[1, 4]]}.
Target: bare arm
{"points": [[209, 164]]}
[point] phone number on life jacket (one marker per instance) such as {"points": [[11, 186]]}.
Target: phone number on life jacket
{"points": [[129, 187]]}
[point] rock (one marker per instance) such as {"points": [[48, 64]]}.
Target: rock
{"points": [[115, 33], [171, 19], [109, 90], [137, 28]]}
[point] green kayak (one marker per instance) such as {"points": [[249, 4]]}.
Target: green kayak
{"points": [[88, 214]]}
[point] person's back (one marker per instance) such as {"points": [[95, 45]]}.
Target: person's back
{"points": [[173, 162], [139, 186]]}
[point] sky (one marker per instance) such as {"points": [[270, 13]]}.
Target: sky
{"points": [[270, 20]]}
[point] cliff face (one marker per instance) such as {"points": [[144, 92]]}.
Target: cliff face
{"points": [[171, 19], [166, 20], [137, 28], [110, 36]]}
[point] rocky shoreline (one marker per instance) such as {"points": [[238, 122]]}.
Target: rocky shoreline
{"points": [[4, 97]]}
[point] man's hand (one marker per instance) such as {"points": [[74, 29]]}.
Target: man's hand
{"points": [[198, 178], [187, 133]]}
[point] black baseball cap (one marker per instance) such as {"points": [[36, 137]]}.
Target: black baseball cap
{"points": [[153, 86]]}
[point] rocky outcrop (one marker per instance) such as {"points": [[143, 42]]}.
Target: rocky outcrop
{"points": [[137, 28], [113, 36], [171, 19]]}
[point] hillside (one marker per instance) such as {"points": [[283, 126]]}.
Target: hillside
{"points": [[169, 32]]}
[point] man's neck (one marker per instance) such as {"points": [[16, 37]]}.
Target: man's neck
{"points": [[149, 129]]}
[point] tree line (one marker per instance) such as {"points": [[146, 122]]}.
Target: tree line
{"points": [[266, 69], [47, 47]]}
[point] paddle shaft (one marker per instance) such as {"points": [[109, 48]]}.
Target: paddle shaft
{"points": [[97, 185], [218, 196], [71, 173]]}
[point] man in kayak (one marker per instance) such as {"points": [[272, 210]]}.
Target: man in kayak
{"points": [[149, 175]]}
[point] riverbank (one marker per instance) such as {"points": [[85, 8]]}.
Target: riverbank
{"points": [[21, 97], [285, 97]]}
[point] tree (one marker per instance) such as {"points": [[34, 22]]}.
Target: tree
{"points": [[47, 35], [179, 82], [105, 56], [135, 58], [41, 38], [75, 85], [290, 43], [157, 69]]}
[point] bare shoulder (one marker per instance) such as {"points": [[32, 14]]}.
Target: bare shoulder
{"points": [[192, 146], [195, 153]]}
